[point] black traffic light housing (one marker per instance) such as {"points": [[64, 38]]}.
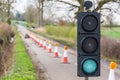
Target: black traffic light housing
{"points": [[81, 73], [88, 44], [94, 17]]}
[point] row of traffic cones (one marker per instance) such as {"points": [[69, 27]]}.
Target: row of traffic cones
{"points": [[43, 43]]}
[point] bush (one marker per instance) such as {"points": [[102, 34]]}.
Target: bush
{"points": [[62, 22], [6, 48], [110, 48], [9, 21], [110, 45]]}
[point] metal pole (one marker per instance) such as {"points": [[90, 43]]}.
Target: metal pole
{"points": [[86, 78]]}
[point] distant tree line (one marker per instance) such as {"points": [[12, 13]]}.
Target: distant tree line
{"points": [[34, 13]]}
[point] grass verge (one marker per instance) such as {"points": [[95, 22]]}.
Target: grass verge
{"points": [[111, 32], [62, 40], [23, 67], [65, 35], [68, 35]]}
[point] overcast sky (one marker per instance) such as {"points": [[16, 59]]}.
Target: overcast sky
{"points": [[21, 5]]}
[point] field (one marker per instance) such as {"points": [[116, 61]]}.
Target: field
{"points": [[64, 35], [68, 35], [23, 67], [111, 32], [71, 32]]}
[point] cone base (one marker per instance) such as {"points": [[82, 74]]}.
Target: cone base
{"points": [[50, 50], [44, 47], [37, 43], [41, 45], [56, 54], [65, 60]]}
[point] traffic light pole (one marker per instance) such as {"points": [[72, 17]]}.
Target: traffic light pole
{"points": [[86, 78]]}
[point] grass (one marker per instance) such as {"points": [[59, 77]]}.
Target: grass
{"points": [[24, 23], [23, 67], [68, 35], [71, 32], [65, 35], [111, 32], [65, 32]]}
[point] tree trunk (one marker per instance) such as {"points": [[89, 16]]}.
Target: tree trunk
{"points": [[81, 8], [40, 14], [39, 18], [8, 8], [101, 3]]}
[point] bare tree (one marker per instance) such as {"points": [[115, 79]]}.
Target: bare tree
{"points": [[39, 5], [48, 8], [101, 3], [80, 8], [5, 6], [30, 14]]}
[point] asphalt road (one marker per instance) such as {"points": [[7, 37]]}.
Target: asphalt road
{"points": [[55, 69]]}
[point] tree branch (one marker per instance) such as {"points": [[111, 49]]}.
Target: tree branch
{"points": [[106, 9], [102, 2], [68, 3]]}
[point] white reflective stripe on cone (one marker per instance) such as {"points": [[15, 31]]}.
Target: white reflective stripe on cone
{"points": [[56, 48], [49, 46], [37, 40], [44, 44], [40, 41], [65, 53]]}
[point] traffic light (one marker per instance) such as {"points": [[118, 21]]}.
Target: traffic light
{"points": [[88, 44]]}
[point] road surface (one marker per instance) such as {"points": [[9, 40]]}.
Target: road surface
{"points": [[55, 69]]}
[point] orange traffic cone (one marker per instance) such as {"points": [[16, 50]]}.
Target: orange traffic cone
{"points": [[44, 44], [113, 66], [37, 40], [56, 50], [41, 42], [31, 37], [65, 58], [50, 47]]}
